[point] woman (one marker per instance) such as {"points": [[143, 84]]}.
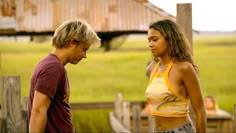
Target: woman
{"points": [[211, 105], [174, 82]]}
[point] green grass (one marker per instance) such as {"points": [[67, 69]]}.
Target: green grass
{"points": [[217, 68], [91, 120], [101, 75]]}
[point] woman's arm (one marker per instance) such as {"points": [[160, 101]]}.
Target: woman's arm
{"points": [[192, 85]]}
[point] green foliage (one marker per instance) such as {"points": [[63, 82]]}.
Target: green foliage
{"points": [[101, 75]]}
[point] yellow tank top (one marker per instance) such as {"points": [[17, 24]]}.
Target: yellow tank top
{"points": [[164, 99]]}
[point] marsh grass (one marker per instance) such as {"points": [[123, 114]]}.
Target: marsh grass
{"points": [[101, 75]]}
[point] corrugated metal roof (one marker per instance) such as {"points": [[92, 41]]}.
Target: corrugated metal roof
{"points": [[102, 15]]}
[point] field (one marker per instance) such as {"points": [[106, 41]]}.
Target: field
{"points": [[103, 74]]}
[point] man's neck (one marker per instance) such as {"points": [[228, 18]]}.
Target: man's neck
{"points": [[61, 55]]}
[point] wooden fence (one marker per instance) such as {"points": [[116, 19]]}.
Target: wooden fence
{"points": [[12, 114], [13, 108], [126, 116]]}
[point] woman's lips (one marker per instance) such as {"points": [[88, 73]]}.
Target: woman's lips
{"points": [[152, 50]]}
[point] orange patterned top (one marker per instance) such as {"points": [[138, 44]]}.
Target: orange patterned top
{"points": [[164, 99]]}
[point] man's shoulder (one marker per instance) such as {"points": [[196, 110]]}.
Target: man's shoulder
{"points": [[50, 62]]}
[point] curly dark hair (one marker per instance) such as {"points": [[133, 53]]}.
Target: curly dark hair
{"points": [[179, 46]]}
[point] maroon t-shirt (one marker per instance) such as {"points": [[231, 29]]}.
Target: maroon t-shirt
{"points": [[50, 78]]}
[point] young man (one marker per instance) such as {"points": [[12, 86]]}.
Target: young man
{"points": [[48, 103]]}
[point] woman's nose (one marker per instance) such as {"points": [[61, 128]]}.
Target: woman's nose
{"points": [[150, 44]]}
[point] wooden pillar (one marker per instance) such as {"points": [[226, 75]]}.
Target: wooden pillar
{"points": [[184, 19], [11, 116]]}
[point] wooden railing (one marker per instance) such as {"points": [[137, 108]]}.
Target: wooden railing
{"points": [[128, 118], [220, 124], [13, 108], [11, 119], [101, 105], [13, 112], [134, 121]]}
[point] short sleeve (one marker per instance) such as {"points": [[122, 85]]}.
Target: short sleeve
{"points": [[49, 79]]}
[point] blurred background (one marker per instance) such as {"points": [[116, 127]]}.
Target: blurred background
{"points": [[119, 64]]}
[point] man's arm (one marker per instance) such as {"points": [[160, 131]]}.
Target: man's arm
{"points": [[38, 119]]}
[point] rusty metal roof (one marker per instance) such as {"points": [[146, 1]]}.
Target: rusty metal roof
{"points": [[102, 15]]}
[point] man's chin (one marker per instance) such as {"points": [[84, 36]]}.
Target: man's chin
{"points": [[74, 63]]}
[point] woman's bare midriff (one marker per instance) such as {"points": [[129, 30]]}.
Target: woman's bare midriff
{"points": [[165, 123]]}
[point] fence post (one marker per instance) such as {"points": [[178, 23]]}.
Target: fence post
{"points": [[24, 114], [184, 19], [136, 118], [126, 115], [118, 106], [151, 123], [0, 60], [234, 119], [11, 116]]}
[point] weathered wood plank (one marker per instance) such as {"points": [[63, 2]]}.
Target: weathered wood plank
{"points": [[150, 123], [118, 106], [184, 19], [24, 114], [100, 105], [126, 115], [136, 118], [219, 124], [92, 105], [116, 124], [11, 106], [234, 119]]}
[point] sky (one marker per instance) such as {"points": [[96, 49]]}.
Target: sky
{"points": [[207, 15]]}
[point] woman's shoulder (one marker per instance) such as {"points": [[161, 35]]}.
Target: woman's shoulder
{"points": [[150, 67], [184, 66]]}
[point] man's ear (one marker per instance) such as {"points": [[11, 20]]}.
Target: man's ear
{"points": [[72, 44]]}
